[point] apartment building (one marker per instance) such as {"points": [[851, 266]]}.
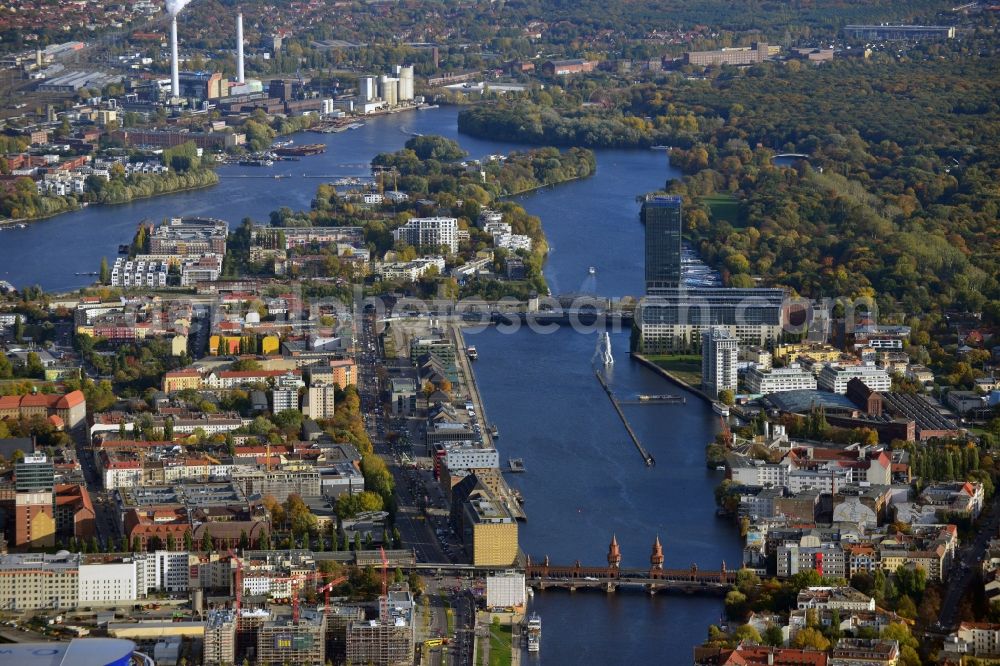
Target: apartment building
{"points": [[776, 380], [718, 361], [834, 377], [429, 232]]}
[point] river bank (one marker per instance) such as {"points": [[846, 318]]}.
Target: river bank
{"points": [[583, 480], [663, 372], [8, 222]]}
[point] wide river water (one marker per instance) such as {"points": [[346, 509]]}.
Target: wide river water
{"points": [[584, 480]]}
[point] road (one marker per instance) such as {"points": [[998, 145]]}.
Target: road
{"points": [[416, 489], [963, 571]]}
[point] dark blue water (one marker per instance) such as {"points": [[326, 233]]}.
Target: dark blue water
{"points": [[584, 480]]}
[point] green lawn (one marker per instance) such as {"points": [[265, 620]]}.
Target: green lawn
{"points": [[724, 207], [686, 367], [500, 646]]}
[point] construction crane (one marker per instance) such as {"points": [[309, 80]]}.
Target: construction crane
{"points": [[238, 585], [326, 592], [383, 608], [296, 581]]}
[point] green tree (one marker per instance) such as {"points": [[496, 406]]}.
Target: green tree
{"points": [[773, 636], [811, 638], [188, 541], [747, 632], [105, 272]]}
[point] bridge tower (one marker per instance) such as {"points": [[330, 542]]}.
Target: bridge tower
{"points": [[656, 559], [614, 553]]}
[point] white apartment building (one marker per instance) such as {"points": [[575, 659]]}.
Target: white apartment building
{"points": [[718, 361], [834, 377], [163, 570], [974, 638], [512, 242], [752, 472], [109, 582], [467, 456], [409, 271], [140, 273], [432, 232], [488, 217], [776, 380], [122, 474], [206, 268]]}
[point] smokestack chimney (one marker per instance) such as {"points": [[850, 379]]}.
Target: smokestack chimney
{"points": [[239, 48], [175, 80]]}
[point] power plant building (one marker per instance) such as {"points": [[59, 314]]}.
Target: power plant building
{"points": [[388, 88], [368, 88]]}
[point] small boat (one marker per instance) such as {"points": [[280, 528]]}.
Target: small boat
{"points": [[659, 147], [472, 353], [592, 270], [516, 464], [660, 397], [720, 409], [494, 431], [22, 226], [534, 633]]}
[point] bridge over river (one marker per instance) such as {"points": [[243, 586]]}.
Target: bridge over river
{"points": [[612, 577]]}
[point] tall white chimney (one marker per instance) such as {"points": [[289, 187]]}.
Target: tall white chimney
{"points": [[175, 81], [239, 48]]}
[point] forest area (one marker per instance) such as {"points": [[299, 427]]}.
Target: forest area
{"points": [[897, 198]]}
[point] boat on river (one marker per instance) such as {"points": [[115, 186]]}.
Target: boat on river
{"points": [[534, 633], [720, 409]]}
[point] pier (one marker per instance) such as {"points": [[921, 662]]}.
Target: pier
{"points": [[646, 457]]}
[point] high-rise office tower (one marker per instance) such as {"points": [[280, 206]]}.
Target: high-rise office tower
{"points": [[662, 217]]}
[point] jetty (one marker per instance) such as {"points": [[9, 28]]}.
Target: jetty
{"points": [[646, 456]]}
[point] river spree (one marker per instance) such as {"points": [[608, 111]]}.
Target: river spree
{"points": [[584, 479]]}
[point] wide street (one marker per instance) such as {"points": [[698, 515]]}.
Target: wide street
{"points": [[967, 560]]}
